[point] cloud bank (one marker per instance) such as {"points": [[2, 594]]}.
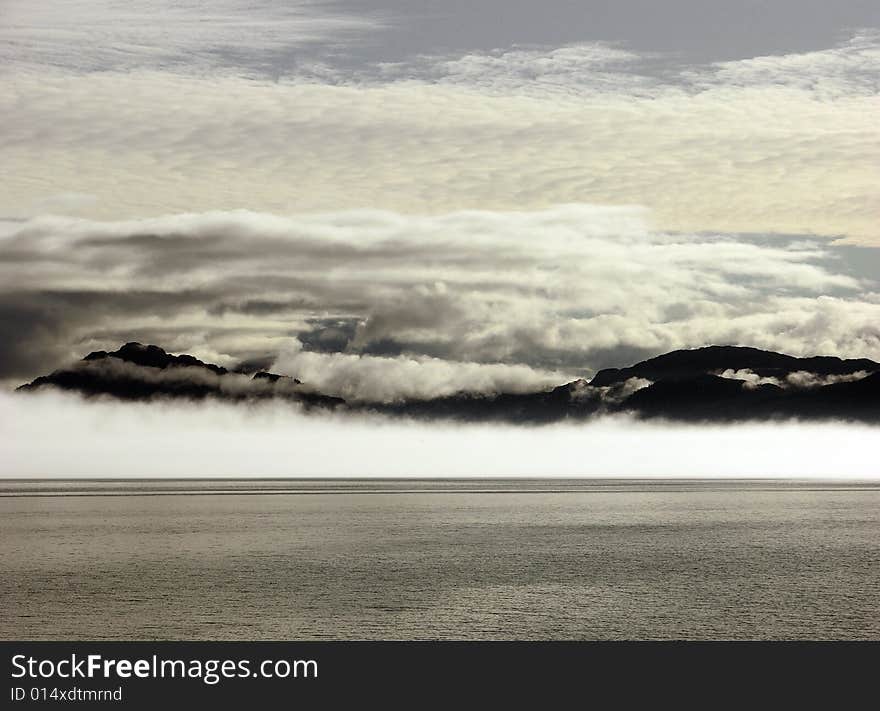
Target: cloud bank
{"points": [[102, 35], [357, 377], [783, 144], [379, 300], [51, 435]]}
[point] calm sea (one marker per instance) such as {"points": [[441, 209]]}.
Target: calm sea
{"points": [[537, 559]]}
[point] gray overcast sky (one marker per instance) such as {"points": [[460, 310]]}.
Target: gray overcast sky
{"points": [[277, 35], [697, 30]]}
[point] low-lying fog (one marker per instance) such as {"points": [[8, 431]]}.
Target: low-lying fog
{"points": [[58, 435]]}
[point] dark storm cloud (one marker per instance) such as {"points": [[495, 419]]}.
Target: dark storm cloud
{"points": [[33, 338], [331, 335], [261, 307], [159, 255], [40, 330]]}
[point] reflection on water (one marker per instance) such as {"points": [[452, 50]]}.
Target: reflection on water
{"points": [[538, 559]]}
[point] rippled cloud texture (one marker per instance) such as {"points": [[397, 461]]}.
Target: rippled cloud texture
{"points": [[271, 107]]}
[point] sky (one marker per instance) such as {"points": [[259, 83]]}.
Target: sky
{"points": [[394, 196]]}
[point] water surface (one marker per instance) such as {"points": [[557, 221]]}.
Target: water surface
{"points": [[489, 559]]}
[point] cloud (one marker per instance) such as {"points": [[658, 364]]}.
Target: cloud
{"points": [[782, 144], [357, 377], [850, 69], [561, 292], [53, 435], [102, 35], [797, 379], [571, 71]]}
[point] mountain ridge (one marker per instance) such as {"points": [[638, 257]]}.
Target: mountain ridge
{"points": [[708, 358], [712, 383], [138, 372]]}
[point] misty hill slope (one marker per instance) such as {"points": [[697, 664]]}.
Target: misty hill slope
{"points": [[714, 399], [735, 383], [140, 372], [713, 384], [716, 359], [536, 408]]}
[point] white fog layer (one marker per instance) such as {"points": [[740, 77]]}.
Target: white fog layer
{"points": [[52, 435]]}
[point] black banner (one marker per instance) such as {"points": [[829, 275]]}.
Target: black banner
{"points": [[414, 674]]}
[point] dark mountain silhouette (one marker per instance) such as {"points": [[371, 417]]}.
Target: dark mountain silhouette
{"points": [[703, 397], [686, 385], [715, 359], [538, 407], [154, 357], [681, 385], [139, 372], [710, 398], [273, 377]]}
